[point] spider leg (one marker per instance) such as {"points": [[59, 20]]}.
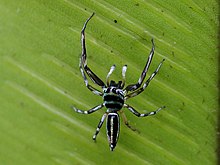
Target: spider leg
{"points": [[133, 87], [137, 92], [125, 120], [83, 65], [142, 114], [109, 73], [91, 88], [96, 108], [99, 126]]}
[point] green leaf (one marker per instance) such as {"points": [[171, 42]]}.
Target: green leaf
{"points": [[40, 80]]}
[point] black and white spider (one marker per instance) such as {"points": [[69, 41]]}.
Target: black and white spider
{"points": [[114, 94]]}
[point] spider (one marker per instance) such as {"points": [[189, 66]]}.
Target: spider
{"points": [[114, 94]]}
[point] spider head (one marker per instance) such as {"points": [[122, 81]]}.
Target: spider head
{"points": [[113, 96], [117, 85]]}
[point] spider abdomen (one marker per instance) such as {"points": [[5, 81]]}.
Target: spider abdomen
{"points": [[113, 101], [112, 129]]}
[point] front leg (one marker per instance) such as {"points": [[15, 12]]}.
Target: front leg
{"points": [[83, 64], [138, 91], [133, 87], [91, 88]]}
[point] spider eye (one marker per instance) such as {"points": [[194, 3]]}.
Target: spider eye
{"points": [[119, 92], [114, 90], [107, 90]]}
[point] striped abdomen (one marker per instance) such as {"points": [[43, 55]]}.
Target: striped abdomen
{"points": [[112, 129]]}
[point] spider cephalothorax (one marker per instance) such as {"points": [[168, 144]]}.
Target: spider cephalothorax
{"points": [[113, 98], [114, 94]]}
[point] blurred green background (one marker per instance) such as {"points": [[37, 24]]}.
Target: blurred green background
{"points": [[40, 79]]}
